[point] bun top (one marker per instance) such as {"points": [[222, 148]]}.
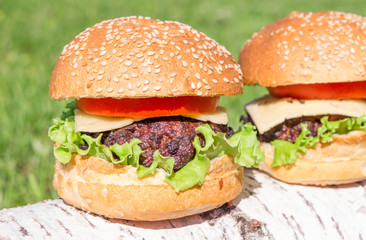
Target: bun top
{"points": [[137, 57], [304, 48]]}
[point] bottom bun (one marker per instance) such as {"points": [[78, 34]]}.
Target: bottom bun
{"points": [[115, 191], [341, 161]]}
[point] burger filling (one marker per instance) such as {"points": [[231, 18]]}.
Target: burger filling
{"points": [[293, 126], [291, 129], [172, 136], [181, 146]]}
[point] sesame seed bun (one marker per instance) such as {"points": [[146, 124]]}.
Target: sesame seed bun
{"points": [[116, 192], [304, 48], [137, 57]]}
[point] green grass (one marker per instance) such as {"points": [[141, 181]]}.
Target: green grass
{"points": [[33, 34]]}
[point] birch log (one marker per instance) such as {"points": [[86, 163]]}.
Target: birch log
{"points": [[265, 209]]}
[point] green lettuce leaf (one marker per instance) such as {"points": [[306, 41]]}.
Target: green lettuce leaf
{"points": [[286, 152], [243, 144]]}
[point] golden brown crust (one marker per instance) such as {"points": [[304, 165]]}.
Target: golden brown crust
{"points": [[135, 57], [342, 161], [304, 48], [115, 191]]}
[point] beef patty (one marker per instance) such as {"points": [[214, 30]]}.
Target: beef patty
{"points": [[290, 129], [172, 136]]}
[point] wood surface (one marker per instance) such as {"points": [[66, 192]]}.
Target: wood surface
{"points": [[265, 209]]}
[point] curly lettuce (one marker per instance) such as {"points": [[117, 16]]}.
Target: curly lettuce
{"points": [[244, 145], [286, 152]]}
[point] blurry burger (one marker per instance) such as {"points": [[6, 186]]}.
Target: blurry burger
{"points": [[312, 125], [144, 137]]}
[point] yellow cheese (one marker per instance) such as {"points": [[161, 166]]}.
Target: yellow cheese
{"points": [[218, 117], [85, 122], [267, 112]]}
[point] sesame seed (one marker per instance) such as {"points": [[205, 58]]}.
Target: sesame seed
{"points": [[100, 77], [185, 64], [125, 76], [128, 63], [199, 85], [115, 79], [109, 89], [197, 75], [173, 74], [102, 53], [145, 88], [73, 74], [193, 86], [75, 65], [121, 90], [99, 90], [104, 63], [157, 88], [157, 70], [226, 80], [91, 78], [101, 72]]}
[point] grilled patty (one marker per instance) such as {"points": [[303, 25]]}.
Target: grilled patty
{"points": [[172, 136], [290, 129]]}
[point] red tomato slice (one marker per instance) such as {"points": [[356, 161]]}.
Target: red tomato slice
{"points": [[321, 90], [148, 107]]}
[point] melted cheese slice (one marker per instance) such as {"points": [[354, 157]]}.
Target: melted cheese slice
{"points": [[267, 112], [85, 122]]}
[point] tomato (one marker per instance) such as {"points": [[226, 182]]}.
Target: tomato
{"points": [[321, 90], [148, 107]]}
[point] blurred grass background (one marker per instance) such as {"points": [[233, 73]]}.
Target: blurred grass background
{"points": [[32, 35]]}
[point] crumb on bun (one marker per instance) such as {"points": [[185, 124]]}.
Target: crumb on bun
{"points": [[304, 48]]}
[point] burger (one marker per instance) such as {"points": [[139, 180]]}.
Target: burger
{"points": [[312, 125], [143, 137]]}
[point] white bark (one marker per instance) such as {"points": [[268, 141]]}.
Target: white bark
{"points": [[285, 212]]}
